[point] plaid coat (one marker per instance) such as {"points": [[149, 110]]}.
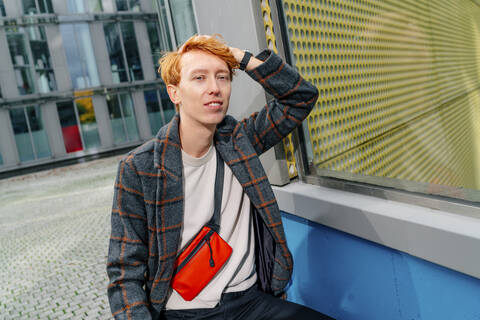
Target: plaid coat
{"points": [[148, 202]]}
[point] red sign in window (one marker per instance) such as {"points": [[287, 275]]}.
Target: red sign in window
{"points": [[71, 137]]}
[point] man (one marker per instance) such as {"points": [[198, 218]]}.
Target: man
{"points": [[164, 191]]}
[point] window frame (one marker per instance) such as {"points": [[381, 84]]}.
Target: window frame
{"points": [[161, 106], [3, 11], [30, 135], [163, 40], [78, 122], [31, 67], [37, 7], [128, 71], [87, 6], [164, 13], [37, 69], [366, 185], [128, 4], [174, 28], [93, 79], [119, 101], [28, 54]]}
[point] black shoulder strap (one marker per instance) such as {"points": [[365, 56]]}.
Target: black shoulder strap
{"points": [[214, 223]]}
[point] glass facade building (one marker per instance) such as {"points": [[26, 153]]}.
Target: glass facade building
{"points": [[80, 76]]}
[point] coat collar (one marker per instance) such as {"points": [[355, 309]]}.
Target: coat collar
{"points": [[167, 147]]}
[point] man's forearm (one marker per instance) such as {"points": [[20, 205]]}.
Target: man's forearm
{"points": [[294, 99]]}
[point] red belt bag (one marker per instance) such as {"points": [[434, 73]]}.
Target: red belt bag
{"points": [[198, 263]]}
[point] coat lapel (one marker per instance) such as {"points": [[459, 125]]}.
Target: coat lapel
{"points": [[169, 190], [238, 153]]}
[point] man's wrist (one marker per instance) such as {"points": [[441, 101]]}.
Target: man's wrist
{"points": [[245, 60]]}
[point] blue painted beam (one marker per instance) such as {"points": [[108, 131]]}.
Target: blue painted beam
{"points": [[350, 278]]}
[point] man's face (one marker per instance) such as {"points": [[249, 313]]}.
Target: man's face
{"points": [[203, 93]]}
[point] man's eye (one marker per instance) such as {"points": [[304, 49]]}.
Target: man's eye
{"points": [[223, 77], [199, 77]]}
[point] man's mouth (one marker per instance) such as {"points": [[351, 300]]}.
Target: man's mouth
{"points": [[214, 105]]}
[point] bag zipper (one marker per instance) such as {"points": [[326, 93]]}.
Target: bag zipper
{"points": [[212, 263], [206, 239]]}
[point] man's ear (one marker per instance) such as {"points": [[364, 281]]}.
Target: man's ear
{"points": [[173, 93]]}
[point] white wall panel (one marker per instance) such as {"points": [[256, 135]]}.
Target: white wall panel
{"points": [[240, 23]]}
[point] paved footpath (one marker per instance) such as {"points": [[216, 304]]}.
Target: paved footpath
{"points": [[54, 231]]}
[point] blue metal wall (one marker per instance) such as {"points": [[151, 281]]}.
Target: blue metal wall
{"points": [[351, 278]]}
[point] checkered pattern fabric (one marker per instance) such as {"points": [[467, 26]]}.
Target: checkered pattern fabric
{"points": [[148, 202]]}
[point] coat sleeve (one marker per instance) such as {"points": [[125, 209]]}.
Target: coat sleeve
{"points": [[293, 99], [128, 249]]}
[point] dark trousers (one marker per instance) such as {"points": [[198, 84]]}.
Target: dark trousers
{"points": [[249, 304]]}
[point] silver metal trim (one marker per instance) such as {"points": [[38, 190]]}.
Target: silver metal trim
{"points": [[168, 11], [30, 131], [160, 104], [435, 202], [75, 109]]}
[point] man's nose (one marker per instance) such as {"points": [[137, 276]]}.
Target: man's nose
{"points": [[213, 87]]}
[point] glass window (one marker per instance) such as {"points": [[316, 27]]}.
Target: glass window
{"points": [[183, 19], [41, 59], [1, 159], [167, 105], [70, 128], [20, 61], [159, 107], [24, 80], [88, 122], [3, 13], [79, 124], [395, 103], [84, 6], [159, 43], [128, 5], [80, 58], [30, 6], [17, 46], [122, 5], [163, 21], [155, 115], [123, 51], [114, 46], [37, 6], [38, 66], [30, 137], [122, 117], [131, 51]]}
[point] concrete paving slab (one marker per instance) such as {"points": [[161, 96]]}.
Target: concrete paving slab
{"points": [[54, 231]]}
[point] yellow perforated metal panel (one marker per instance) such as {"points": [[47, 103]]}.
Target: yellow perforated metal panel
{"points": [[271, 43], [398, 83]]}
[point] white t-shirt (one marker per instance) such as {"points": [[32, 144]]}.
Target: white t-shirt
{"points": [[236, 229]]}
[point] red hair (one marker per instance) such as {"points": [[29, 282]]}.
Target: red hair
{"points": [[170, 61]]}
